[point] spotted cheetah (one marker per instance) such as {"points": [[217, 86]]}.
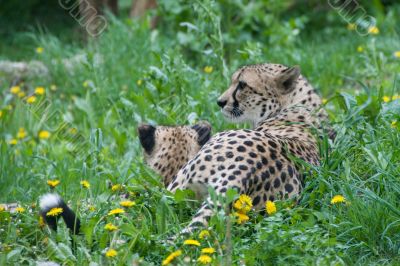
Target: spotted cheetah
{"points": [[283, 109], [168, 148]]}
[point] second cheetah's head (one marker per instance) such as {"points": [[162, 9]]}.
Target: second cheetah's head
{"points": [[168, 148]]}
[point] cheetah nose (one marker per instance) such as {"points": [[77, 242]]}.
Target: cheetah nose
{"points": [[221, 103]]}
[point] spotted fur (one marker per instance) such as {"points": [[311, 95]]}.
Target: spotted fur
{"points": [[283, 109], [168, 148]]}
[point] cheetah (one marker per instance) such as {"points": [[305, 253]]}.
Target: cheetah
{"points": [[283, 109], [168, 148]]}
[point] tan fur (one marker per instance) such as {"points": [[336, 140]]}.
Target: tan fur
{"points": [[284, 109], [174, 147]]}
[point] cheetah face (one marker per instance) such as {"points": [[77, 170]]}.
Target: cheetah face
{"points": [[168, 148], [255, 92]]}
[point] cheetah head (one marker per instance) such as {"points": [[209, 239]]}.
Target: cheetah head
{"points": [[168, 148], [257, 92]]}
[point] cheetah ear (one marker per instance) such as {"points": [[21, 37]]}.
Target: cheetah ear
{"points": [[203, 130], [147, 137], [286, 80]]}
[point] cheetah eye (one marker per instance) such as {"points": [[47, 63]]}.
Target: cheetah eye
{"points": [[241, 85]]}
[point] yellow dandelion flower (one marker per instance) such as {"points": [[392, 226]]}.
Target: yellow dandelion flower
{"points": [[20, 209], [92, 208], [53, 87], [21, 94], [39, 50], [127, 203], [204, 234], [373, 30], [44, 134], [21, 133], [13, 142], [53, 183], [204, 259], [40, 91], [338, 199], [110, 227], [208, 69], [139, 82], [54, 212], [15, 89], [31, 99], [397, 54], [191, 242], [394, 124], [386, 99], [208, 250], [116, 211], [243, 204], [73, 130], [116, 187], [241, 217], [2, 208], [85, 184], [1, 113], [41, 221], [360, 49], [171, 257], [111, 253], [351, 26], [270, 207]]}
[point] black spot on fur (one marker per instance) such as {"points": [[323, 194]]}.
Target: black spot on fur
{"points": [[248, 143], [283, 177], [290, 171], [239, 158], [267, 186], [243, 167], [260, 148], [252, 154], [265, 175], [277, 183], [278, 165], [229, 154], [256, 200], [288, 188], [271, 170], [272, 144], [203, 131], [241, 149]]}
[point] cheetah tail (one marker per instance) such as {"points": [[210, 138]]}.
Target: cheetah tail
{"points": [[50, 201]]}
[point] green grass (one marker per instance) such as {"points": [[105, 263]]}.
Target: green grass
{"points": [[362, 164]]}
